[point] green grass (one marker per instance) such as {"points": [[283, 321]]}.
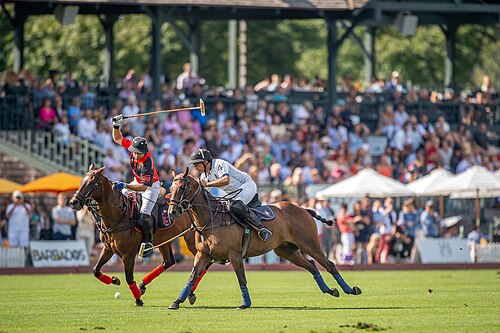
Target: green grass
{"points": [[394, 301]]}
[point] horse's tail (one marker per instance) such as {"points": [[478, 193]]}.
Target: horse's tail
{"points": [[320, 218]]}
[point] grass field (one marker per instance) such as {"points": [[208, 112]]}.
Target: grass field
{"points": [[395, 301]]}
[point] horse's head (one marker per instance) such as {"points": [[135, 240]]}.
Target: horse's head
{"points": [[184, 190], [90, 183]]}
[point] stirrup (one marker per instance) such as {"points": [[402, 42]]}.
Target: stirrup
{"points": [[265, 234], [146, 250]]}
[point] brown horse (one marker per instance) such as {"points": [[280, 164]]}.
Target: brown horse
{"points": [[219, 237], [120, 237]]}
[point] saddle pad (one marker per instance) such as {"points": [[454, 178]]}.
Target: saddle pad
{"points": [[164, 220], [265, 213]]}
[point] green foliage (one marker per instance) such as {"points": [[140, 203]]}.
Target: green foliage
{"points": [[392, 301], [51, 45]]}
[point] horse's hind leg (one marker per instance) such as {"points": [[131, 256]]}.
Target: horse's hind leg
{"points": [[318, 255], [239, 269], [128, 264], [292, 254], [168, 261], [104, 257]]}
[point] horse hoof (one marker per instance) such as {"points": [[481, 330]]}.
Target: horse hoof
{"points": [[174, 305], [242, 307], [142, 288], [192, 299], [138, 302], [334, 292], [115, 280], [356, 291]]}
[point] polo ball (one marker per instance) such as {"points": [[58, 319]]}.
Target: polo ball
{"points": [[118, 294]]}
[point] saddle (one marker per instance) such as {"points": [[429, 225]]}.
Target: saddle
{"points": [[161, 218]]}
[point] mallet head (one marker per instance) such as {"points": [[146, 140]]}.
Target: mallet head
{"points": [[202, 107]]}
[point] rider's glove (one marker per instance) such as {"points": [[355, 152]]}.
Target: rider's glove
{"points": [[117, 121], [119, 185]]}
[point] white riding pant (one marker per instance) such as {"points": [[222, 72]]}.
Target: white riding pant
{"points": [[148, 197], [248, 191]]}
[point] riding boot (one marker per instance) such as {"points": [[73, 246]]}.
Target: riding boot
{"points": [[253, 219], [146, 223]]}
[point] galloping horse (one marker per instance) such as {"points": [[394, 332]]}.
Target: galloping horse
{"points": [[219, 237], [117, 232]]}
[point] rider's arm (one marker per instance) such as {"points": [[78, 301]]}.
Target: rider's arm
{"points": [[137, 187], [218, 182], [117, 136]]}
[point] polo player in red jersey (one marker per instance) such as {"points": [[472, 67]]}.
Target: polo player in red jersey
{"points": [[146, 179]]}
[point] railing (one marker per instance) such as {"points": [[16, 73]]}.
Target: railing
{"points": [[48, 149]]}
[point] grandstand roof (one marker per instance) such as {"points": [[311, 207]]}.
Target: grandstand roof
{"points": [[372, 12]]}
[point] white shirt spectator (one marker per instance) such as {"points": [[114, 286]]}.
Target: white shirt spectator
{"points": [[400, 117], [87, 127], [18, 215]]}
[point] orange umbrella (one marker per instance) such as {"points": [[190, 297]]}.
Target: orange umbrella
{"points": [[7, 186], [57, 182]]}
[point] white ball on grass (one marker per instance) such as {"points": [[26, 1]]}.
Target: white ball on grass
{"points": [[118, 294]]}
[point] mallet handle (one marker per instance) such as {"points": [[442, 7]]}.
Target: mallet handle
{"points": [[161, 111]]}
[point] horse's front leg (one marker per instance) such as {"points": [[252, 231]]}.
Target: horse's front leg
{"points": [[200, 262], [192, 295], [128, 264], [106, 254], [239, 269]]}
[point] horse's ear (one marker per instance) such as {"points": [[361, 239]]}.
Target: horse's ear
{"points": [[102, 169], [173, 173], [185, 172], [91, 167]]}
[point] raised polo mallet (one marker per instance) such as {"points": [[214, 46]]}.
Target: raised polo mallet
{"points": [[201, 108]]}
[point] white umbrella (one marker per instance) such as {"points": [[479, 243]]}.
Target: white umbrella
{"points": [[365, 182], [427, 184], [475, 182]]}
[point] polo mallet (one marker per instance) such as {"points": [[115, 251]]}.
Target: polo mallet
{"points": [[143, 245], [201, 108]]}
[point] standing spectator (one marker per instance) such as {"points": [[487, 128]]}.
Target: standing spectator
{"points": [[87, 127], [87, 97], [131, 108], [186, 79], [114, 168], [64, 219], [323, 209], [429, 221], [74, 112], [408, 221], [36, 222], [85, 229], [18, 214], [346, 229], [401, 116], [47, 116]]}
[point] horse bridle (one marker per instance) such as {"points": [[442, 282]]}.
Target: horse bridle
{"points": [[85, 199], [182, 203]]}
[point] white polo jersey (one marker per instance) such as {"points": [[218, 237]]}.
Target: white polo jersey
{"points": [[237, 180]]}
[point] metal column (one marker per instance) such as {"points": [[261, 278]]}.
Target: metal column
{"points": [[369, 58], [449, 62], [332, 62], [231, 45], [18, 25], [109, 49], [156, 23]]}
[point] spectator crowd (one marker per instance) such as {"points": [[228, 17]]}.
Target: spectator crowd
{"points": [[281, 141]]}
